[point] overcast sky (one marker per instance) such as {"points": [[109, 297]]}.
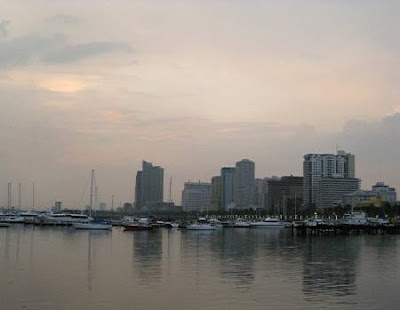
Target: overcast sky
{"points": [[192, 86]]}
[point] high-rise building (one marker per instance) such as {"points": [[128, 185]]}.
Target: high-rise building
{"points": [[318, 166], [285, 195], [244, 184], [196, 196], [261, 189], [149, 187], [227, 188], [215, 193]]}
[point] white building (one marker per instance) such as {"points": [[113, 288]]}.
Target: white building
{"points": [[196, 196], [319, 166]]}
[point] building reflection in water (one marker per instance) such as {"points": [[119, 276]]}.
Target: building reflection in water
{"points": [[147, 255], [330, 266], [236, 251]]}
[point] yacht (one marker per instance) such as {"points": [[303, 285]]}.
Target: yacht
{"points": [[171, 225], [92, 225], [137, 224], [239, 223], [269, 222], [201, 224], [314, 222]]}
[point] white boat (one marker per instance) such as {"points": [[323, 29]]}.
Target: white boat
{"points": [[375, 221], [356, 218], [15, 219], [269, 222], [314, 222], [202, 224], [4, 225], [92, 225], [171, 225]]}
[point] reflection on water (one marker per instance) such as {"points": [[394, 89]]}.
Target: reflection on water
{"points": [[330, 267], [60, 268]]}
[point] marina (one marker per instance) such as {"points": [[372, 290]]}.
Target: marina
{"points": [[55, 267]]}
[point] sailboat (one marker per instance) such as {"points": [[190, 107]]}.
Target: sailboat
{"points": [[92, 225]]}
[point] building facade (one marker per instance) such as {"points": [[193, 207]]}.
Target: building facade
{"points": [[285, 195], [244, 184], [330, 192], [261, 190], [227, 188], [196, 196], [387, 193], [319, 166], [149, 187], [216, 193]]}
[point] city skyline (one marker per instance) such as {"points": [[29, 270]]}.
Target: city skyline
{"points": [[193, 87]]}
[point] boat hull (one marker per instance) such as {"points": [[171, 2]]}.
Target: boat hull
{"points": [[137, 227], [92, 226], [267, 225], [200, 227]]}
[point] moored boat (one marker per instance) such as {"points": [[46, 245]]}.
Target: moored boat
{"points": [[201, 224], [269, 222]]}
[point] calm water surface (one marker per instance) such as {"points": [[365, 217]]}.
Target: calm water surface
{"points": [[59, 268]]}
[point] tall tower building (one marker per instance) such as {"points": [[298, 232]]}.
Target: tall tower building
{"points": [[215, 192], [245, 184], [321, 166], [149, 187], [227, 188]]}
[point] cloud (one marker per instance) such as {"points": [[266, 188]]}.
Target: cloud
{"points": [[4, 28], [72, 53], [63, 19], [53, 49]]}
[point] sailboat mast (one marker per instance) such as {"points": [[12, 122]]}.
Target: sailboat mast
{"points": [[19, 196], [91, 194], [9, 197], [33, 196]]}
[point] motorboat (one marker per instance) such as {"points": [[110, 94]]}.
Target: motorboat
{"points": [[201, 224], [239, 223], [269, 222], [171, 225], [137, 224], [314, 222]]}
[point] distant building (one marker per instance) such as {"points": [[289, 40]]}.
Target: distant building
{"points": [[215, 193], [58, 206], [244, 184], [149, 187], [285, 195], [330, 192], [102, 206], [227, 188], [387, 193], [196, 196], [319, 166], [261, 190], [359, 197]]}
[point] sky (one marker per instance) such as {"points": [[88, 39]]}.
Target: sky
{"points": [[192, 86]]}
